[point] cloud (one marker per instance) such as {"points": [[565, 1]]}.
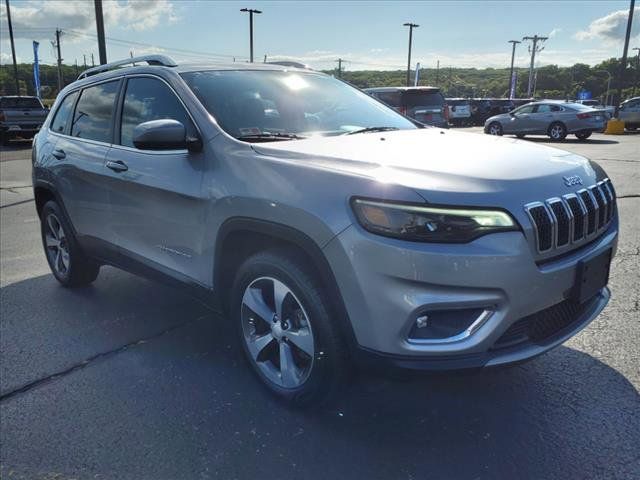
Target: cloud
{"points": [[610, 28], [39, 19], [554, 32]]}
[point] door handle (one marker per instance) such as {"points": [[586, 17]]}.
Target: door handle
{"points": [[59, 153], [117, 166]]}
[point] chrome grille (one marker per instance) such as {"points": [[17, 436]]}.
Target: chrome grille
{"points": [[559, 222]]}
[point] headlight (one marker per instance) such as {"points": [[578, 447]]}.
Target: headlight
{"points": [[430, 224]]}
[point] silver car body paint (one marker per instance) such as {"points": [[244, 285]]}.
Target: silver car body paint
{"points": [[167, 210]]}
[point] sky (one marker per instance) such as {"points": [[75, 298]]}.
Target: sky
{"points": [[366, 34]]}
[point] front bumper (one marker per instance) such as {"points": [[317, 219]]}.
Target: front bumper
{"points": [[388, 283]]}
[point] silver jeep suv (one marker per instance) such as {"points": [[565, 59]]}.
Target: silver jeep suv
{"points": [[333, 229]]}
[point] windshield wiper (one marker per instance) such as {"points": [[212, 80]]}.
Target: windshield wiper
{"points": [[270, 137], [371, 129]]}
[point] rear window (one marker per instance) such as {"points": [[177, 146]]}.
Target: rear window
{"points": [[412, 99], [20, 102], [390, 98]]}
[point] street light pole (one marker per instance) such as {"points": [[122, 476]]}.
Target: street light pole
{"points": [[606, 98], [411, 27], [251, 11], [513, 56], [623, 64]]}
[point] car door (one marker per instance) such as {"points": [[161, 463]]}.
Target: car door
{"points": [[156, 197], [79, 154], [519, 121], [543, 115]]}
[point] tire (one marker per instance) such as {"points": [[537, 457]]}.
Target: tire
{"points": [[494, 129], [631, 128], [557, 131], [318, 355], [69, 265], [5, 138], [520, 135], [583, 135]]}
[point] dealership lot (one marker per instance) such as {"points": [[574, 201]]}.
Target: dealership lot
{"points": [[131, 379]]}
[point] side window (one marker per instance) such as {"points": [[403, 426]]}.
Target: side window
{"points": [[543, 109], [92, 119], [150, 99], [63, 113], [525, 109], [556, 108]]}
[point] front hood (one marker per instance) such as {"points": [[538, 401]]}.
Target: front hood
{"points": [[437, 163]]}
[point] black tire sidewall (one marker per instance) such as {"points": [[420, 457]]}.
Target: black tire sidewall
{"points": [[564, 134], [81, 269], [328, 362]]}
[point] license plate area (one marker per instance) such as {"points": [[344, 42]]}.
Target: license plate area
{"points": [[591, 276]]}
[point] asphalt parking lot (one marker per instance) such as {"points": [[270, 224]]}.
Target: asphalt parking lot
{"points": [[134, 380]]}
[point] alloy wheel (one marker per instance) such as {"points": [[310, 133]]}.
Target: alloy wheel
{"points": [[556, 132], [494, 129], [57, 245], [277, 332]]}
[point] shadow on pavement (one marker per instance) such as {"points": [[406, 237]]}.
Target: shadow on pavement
{"points": [[590, 141], [184, 405]]}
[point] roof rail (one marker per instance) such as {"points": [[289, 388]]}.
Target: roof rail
{"points": [[161, 60]]}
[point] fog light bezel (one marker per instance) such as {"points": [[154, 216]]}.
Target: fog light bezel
{"points": [[482, 318]]}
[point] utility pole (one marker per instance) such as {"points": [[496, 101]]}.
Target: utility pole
{"points": [[84, 57], [623, 64], [265, 58], [60, 79], [13, 50], [533, 49], [251, 11], [411, 27], [102, 47], [438, 73], [513, 56], [339, 67], [93, 63], [77, 73]]}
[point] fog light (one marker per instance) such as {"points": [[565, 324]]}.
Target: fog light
{"points": [[442, 326], [421, 322]]}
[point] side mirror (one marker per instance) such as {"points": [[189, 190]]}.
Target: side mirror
{"points": [[165, 134]]}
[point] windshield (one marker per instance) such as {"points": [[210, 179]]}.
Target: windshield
{"points": [[20, 102], [259, 103]]}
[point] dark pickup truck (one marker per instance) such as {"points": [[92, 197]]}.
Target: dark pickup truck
{"points": [[20, 117]]}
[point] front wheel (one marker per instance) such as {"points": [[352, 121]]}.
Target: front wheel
{"points": [[288, 335], [495, 129], [67, 261], [583, 135], [557, 131]]}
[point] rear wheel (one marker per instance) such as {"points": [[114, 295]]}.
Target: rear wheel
{"points": [[583, 135], [287, 333], [495, 129], [520, 135], [67, 261], [557, 131]]}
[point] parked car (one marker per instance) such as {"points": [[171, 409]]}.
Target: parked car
{"points": [[610, 109], [629, 111], [553, 118], [459, 111], [332, 230], [424, 104], [480, 110], [20, 117]]}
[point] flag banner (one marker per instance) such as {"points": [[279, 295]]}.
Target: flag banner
{"points": [[36, 68]]}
